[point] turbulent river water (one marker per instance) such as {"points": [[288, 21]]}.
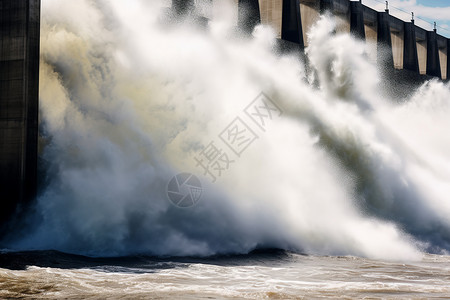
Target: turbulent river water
{"points": [[322, 160], [262, 275]]}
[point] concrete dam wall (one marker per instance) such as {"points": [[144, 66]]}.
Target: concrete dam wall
{"points": [[403, 44], [19, 84]]}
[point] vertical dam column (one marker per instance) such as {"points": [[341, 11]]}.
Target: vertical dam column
{"points": [[442, 45], [410, 56], [357, 20], [384, 43], [19, 88], [249, 14], [291, 28], [448, 59], [433, 62]]}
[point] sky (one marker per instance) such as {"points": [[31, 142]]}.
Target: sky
{"points": [[426, 12]]}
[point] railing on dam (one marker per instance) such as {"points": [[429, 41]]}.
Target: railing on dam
{"points": [[401, 44]]}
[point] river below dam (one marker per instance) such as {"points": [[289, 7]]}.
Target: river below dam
{"points": [[261, 275]]}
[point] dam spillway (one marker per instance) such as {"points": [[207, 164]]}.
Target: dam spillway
{"points": [[410, 47]]}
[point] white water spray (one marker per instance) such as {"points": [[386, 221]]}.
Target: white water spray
{"points": [[126, 103]]}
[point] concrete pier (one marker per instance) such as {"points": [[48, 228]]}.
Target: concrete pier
{"points": [[384, 48], [448, 60], [433, 62], [19, 84], [443, 50], [357, 20], [249, 14], [410, 58], [291, 27]]}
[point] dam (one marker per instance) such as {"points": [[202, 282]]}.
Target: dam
{"points": [[402, 45]]}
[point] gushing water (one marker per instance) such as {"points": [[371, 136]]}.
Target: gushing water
{"points": [[127, 102]]}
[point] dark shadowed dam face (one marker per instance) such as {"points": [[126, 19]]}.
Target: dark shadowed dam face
{"points": [[19, 71]]}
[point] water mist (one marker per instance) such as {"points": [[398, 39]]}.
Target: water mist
{"points": [[127, 102]]}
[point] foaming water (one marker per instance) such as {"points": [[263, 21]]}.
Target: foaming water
{"points": [[256, 276], [127, 102]]}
